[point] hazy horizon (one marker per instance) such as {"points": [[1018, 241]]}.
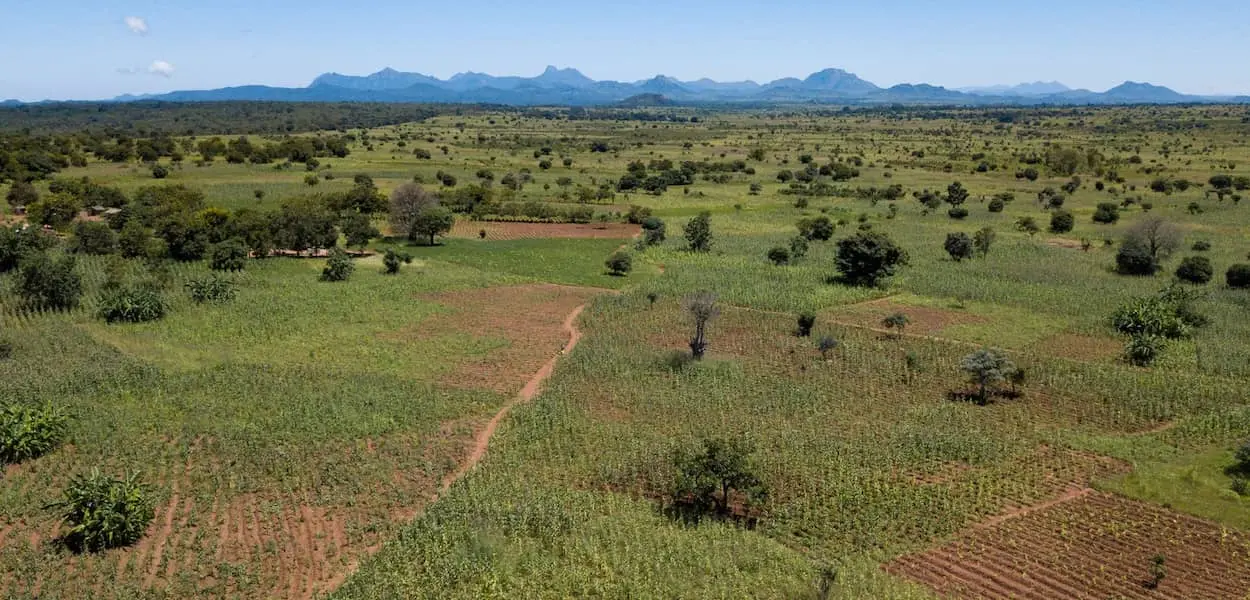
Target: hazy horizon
{"points": [[83, 50]]}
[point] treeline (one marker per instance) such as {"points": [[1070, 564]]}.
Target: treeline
{"points": [[148, 119]]}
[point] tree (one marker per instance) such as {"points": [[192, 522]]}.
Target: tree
{"points": [[867, 258], [1107, 213], [958, 245], [358, 229], [1195, 269], [160, 171], [619, 263], [897, 321], [1159, 238], [303, 224], [22, 193], [1133, 258], [407, 201], [339, 266], [134, 240], [93, 237], [1238, 276], [982, 240], [1027, 225], [807, 320], [956, 194], [798, 247], [1062, 221], [654, 231], [819, 228], [987, 367], [230, 255], [431, 222], [393, 260], [56, 210], [706, 479], [702, 307], [47, 283], [779, 255], [699, 232]]}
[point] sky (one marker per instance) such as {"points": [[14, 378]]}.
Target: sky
{"points": [[97, 49]]}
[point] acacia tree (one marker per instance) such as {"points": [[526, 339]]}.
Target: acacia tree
{"points": [[701, 306]]}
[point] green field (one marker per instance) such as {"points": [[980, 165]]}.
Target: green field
{"points": [[296, 435]]}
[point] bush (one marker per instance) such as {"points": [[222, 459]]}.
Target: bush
{"points": [[132, 305], [6, 349], [339, 266], [28, 432], [997, 205], [779, 255], [1107, 213], [159, 172], [699, 232], [392, 261], [1135, 259], [103, 512], [807, 320], [47, 283], [1062, 221], [230, 255], [958, 246], [707, 479], [654, 231], [1243, 457], [1238, 276], [93, 237], [213, 288], [819, 228], [1142, 350], [867, 258], [1195, 269], [619, 263], [957, 213], [1202, 246], [798, 247]]}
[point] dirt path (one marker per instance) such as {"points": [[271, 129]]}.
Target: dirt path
{"points": [[527, 393]]}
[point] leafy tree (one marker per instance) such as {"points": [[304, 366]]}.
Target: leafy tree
{"points": [[1195, 269], [707, 479], [431, 222], [56, 210], [1062, 221], [103, 512], [93, 237], [654, 231], [1238, 276], [408, 201], [230, 255], [358, 229], [897, 321], [867, 258], [18, 243], [339, 266], [987, 368], [393, 260], [1027, 225], [959, 246], [956, 194], [619, 263], [134, 240], [1107, 213], [702, 307], [184, 236], [982, 240], [699, 232], [779, 255], [819, 228], [1135, 259], [798, 247], [22, 193], [303, 224], [47, 283]]}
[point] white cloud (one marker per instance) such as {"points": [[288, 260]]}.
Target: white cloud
{"points": [[137, 25], [162, 68]]}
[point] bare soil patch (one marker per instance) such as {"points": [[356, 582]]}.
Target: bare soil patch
{"points": [[1064, 243], [519, 231], [528, 317], [1086, 545], [1080, 347], [924, 320]]}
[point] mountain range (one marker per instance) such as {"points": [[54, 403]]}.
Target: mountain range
{"points": [[570, 87]]}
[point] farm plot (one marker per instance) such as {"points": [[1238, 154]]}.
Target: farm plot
{"points": [[500, 230], [1091, 545]]}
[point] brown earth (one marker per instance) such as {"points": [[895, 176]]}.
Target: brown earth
{"points": [[517, 231], [1086, 545], [925, 320], [1080, 347]]}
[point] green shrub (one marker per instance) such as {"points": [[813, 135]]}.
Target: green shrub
{"points": [[1142, 350], [1238, 276], [338, 267], [6, 349], [699, 232], [93, 237], [798, 247], [1107, 213], [103, 512], [779, 255], [132, 305], [230, 255], [997, 205], [47, 283], [866, 258], [1243, 457], [1195, 269], [654, 231], [393, 260], [1062, 221], [707, 480], [807, 320], [619, 263], [957, 213], [28, 432], [212, 288]]}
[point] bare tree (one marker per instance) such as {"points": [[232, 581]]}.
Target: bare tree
{"points": [[1157, 237], [702, 306], [408, 201]]}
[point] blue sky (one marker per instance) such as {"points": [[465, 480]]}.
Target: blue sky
{"points": [[87, 49]]}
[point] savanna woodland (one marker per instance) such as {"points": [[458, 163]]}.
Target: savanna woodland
{"points": [[366, 351]]}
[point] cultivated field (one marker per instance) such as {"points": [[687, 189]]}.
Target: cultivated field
{"points": [[396, 436]]}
